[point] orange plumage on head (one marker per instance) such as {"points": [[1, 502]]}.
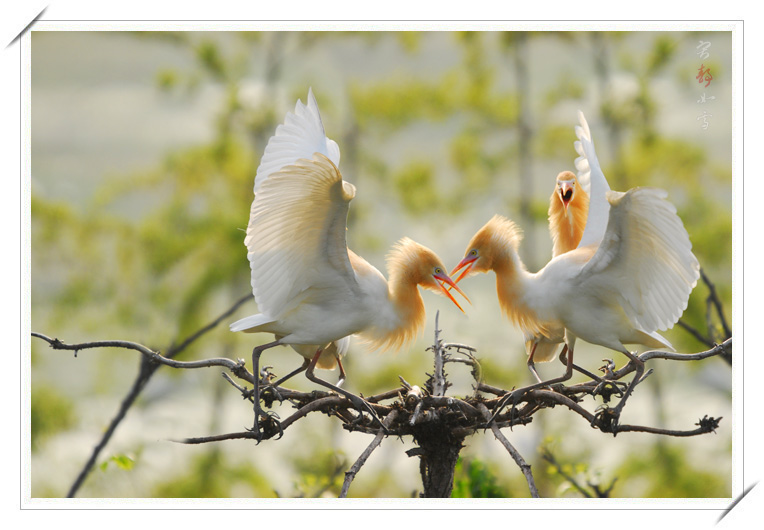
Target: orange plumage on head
{"points": [[496, 244], [492, 241]]}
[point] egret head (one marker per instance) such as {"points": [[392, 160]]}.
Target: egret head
{"points": [[566, 189], [415, 263], [488, 245]]}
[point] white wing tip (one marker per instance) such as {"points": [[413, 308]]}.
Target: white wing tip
{"points": [[584, 128], [312, 103]]}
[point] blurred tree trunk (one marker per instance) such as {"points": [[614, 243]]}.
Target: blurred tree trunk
{"points": [[525, 135], [602, 42]]}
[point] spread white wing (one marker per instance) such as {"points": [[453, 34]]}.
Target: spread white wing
{"points": [[645, 261], [593, 181], [301, 135], [296, 235]]}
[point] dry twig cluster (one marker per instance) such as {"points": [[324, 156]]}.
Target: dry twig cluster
{"points": [[438, 423]]}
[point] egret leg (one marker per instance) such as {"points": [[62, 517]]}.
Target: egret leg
{"points": [[341, 380], [516, 394], [256, 352], [532, 366], [304, 367], [274, 386], [608, 418], [639, 365], [580, 370], [291, 374], [358, 402]]}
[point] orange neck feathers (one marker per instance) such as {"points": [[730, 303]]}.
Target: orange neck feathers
{"points": [[497, 243], [566, 225], [510, 290], [407, 266]]}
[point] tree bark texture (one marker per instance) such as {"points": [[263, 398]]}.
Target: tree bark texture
{"points": [[438, 452]]}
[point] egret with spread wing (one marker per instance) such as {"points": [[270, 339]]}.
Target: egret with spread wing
{"points": [[301, 135], [312, 290], [623, 290]]}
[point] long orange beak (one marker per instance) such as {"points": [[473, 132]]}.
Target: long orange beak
{"points": [[443, 277], [467, 262]]}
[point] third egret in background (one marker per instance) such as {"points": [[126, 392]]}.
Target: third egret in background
{"points": [[578, 204]]}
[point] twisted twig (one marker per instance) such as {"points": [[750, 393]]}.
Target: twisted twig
{"points": [[517, 457], [356, 467], [146, 370]]}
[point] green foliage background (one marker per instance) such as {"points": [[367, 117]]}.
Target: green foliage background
{"points": [[139, 199]]}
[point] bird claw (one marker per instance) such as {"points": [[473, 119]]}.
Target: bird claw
{"points": [[266, 376], [606, 419], [607, 388], [276, 395], [608, 368], [264, 394], [258, 434], [363, 406], [515, 400], [266, 428]]}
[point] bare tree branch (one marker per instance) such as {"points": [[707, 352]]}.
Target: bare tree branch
{"points": [[356, 467], [145, 371], [237, 367], [695, 333], [719, 349], [712, 301], [438, 423], [713, 296], [439, 377], [706, 425], [522, 464]]}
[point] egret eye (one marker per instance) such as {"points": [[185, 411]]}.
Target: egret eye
{"points": [[473, 252], [438, 270]]}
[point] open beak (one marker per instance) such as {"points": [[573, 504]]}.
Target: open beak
{"points": [[566, 193], [443, 278], [467, 262]]}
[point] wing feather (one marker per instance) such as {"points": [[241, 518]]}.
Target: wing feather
{"points": [[301, 135], [645, 261], [592, 179], [296, 235]]}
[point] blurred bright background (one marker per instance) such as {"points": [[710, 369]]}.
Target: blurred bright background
{"points": [[144, 151]]}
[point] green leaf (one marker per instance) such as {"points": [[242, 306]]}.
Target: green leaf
{"points": [[123, 462]]}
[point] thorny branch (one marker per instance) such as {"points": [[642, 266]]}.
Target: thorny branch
{"points": [[713, 298], [416, 407], [414, 410], [356, 467], [438, 379], [147, 368], [519, 460], [710, 338]]}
